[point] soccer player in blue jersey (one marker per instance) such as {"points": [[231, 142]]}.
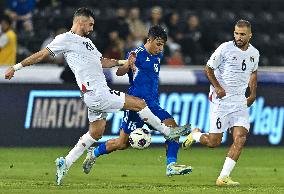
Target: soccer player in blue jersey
{"points": [[144, 83]]}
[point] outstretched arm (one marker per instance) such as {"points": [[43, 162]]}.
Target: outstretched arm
{"points": [[211, 77], [124, 64], [122, 70], [108, 63], [131, 65], [252, 87], [33, 59]]}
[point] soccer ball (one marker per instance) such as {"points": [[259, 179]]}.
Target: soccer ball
{"points": [[140, 138]]}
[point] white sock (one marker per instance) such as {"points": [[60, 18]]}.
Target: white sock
{"points": [[147, 115], [197, 135], [228, 166], [84, 143]]}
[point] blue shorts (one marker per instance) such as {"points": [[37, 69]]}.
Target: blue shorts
{"points": [[131, 119]]}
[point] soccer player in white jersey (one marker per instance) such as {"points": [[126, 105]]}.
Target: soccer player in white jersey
{"points": [[87, 64], [231, 69]]}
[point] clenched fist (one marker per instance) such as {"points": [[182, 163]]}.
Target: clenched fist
{"points": [[9, 74]]}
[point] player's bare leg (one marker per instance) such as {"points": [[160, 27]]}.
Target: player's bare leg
{"points": [[210, 140], [239, 139], [119, 143], [97, 129], [140, 106]]}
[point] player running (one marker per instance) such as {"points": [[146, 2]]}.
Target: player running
{"points": [[230, 69], [143, 84], [87, 64]]}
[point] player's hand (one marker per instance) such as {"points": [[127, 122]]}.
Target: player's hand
{"points": [[9, 73], [220, 92], [131, 61], [250, 100]]}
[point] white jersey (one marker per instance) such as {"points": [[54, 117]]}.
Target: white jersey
{"points": [[83, 58], [232, 68]]}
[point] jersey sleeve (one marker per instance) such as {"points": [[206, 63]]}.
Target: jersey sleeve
{"points": [[97, 52], [256, 63], [215, 60], [58, 45]]}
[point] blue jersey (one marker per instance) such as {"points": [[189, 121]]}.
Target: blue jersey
{"points": [[144, 84]]}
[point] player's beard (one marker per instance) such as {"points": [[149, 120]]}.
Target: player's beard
{"points": [[240, 44], [86, 33]]}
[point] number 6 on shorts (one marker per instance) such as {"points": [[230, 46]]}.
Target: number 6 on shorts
{"points": [[218, 123]]}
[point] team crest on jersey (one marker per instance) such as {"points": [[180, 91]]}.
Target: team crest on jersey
{"points": [[147, 59], [251, 59], [159, 60], [88, 46]]}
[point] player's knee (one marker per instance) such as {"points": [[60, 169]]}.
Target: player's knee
{"points": [[214, 143], [96, 130], [140, 104], [96, 135]]}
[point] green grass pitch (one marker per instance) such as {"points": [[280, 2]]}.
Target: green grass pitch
{"points": [[32, 170]]}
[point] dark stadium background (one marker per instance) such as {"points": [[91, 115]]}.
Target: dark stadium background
{"points": [[42, 115], [216, 21]]}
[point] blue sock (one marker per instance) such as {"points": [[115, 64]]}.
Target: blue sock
{"points": [[100, 150], [172, 151]]}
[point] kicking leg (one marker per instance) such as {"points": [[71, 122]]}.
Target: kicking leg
{"points": [[140, 106]]}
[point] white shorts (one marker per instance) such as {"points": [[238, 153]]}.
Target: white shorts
{"points": [[101, 101], [225, 116]]}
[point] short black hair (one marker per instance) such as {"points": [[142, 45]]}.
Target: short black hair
{"points": [[6, 19], [243, 23], [83, 11], [158, 32]]}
